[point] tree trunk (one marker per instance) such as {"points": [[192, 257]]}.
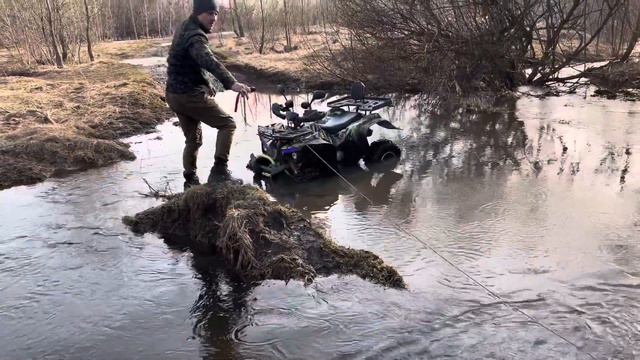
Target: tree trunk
{"points": [[110, 20], [236, 17], [146, 18], [133, 20], [88, 31], [261, 49], [633, 41], [64, 46], [287, 31], [43, 26], [54, 43], [170, 29], [302, 19], [158, 18]]}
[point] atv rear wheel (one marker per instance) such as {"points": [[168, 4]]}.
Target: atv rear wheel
{"points": [[383, 153]]}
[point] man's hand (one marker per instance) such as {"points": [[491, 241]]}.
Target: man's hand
{"points": [[242, 89]]}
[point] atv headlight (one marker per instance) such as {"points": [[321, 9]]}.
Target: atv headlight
{"points": [[294, 156]]}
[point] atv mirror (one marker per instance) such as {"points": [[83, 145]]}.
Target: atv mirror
{"points": [[357, 91], [305, 105], [288, 104], [318, 95]]}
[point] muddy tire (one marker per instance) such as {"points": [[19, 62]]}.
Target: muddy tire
{"points": [[383, 154]]}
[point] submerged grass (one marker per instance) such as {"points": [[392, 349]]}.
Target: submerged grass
{"points": [[259, 239]]}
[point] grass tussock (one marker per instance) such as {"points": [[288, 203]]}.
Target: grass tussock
{"points": [[259, 239], [127, 49], [62, 120], [618, 79], [618, 75]]}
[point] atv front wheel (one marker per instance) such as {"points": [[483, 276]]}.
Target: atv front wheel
{"points": [[259, 163], [383, 153]]}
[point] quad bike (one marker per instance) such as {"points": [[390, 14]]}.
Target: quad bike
{"points": [[308, 146]]}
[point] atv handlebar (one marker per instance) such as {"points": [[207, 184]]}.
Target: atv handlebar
{"points": [[285, 113]]}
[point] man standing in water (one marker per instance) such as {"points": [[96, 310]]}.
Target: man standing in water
{"points": [[190, 92]]}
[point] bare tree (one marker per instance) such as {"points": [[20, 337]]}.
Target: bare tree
{"points": [[262, 36], [58, 7], [461, 45], [303, 22], [88, 30], [236, 18], [54, 43], [287, 31], [633, 40], [146, 19], [133, 20]]}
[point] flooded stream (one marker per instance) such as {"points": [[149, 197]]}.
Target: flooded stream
{"points": [[541, 204]]}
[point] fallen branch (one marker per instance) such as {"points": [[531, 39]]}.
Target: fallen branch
{"points": [[165, 193]]}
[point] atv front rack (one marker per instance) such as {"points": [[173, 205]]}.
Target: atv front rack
{"points": [[367, 104], [280, 132]]}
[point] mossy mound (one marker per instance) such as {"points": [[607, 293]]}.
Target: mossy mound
{"points": [[34, 154], [57, 121], [258, 238], [618, 80]]}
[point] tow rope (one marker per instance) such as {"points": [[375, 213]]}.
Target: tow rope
{"points": [[244, 107]]}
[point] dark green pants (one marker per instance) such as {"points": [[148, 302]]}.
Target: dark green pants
{"points": [[193, 109]]}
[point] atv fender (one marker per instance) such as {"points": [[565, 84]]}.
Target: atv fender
{"points": [[264, 165]]}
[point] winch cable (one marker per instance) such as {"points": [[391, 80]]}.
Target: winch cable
{"points": [[452, 264]]}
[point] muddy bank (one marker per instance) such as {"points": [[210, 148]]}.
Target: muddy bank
{"points": [[619, 80], [272, 76], [54, 122], [258, 238]]}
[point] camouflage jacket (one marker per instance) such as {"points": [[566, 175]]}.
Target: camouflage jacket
{"points": [[191, 62]]}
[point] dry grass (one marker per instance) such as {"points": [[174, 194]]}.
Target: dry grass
{"points": [[276, 65], [61, 120], [106, 100], [129, 49]]}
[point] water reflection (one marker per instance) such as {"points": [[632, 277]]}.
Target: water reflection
{"points": [[539, 201], [465, 144], [220, 306], [321, 194]]}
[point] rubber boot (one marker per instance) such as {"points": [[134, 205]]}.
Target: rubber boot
{"points": [[190, 180], [220, 174]]}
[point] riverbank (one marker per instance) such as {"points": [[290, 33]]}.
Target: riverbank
{"points": [[58, 121], [618, 80]]}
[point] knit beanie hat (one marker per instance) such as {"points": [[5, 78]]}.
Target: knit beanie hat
{"points": [[202, 6]]}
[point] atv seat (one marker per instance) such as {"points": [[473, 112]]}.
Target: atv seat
{"points": [[335, 121]]}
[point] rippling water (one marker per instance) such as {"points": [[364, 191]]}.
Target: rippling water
{"points": [[541, 204]]}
